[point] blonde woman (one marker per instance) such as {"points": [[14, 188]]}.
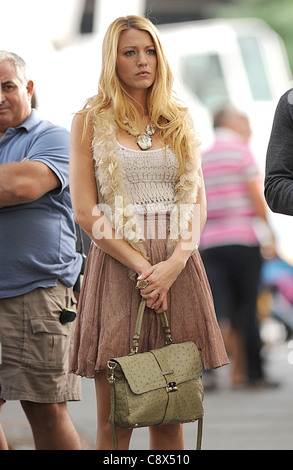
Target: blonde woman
{"points": [[134, 152]]}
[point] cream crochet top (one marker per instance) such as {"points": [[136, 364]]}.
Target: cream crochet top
{"points": [[151, 176], [119, 192]]}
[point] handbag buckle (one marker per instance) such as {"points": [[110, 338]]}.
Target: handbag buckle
{"points": [[171, 387], [111, 365]]}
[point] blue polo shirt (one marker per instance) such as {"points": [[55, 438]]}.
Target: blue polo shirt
{"points": [[37, 239]]}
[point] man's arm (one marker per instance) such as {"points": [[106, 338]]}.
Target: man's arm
{"points": [[25, 181], [279, 162]]}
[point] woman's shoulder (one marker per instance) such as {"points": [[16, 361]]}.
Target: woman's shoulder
{"points": [[80, 118], [82, 125]]}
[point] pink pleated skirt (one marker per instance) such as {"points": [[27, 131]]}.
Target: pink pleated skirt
{"points": [[108, 306]]}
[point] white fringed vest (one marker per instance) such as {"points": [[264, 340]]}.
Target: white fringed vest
{"points": [[110, 178]]}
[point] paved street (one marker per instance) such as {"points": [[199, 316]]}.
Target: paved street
{"points": [[234, 419]]}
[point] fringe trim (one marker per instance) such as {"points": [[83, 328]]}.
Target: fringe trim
{"points": [[110, 178]]}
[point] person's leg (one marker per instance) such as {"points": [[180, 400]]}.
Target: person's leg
{"points": [[246, 322], [166, 437], [214, 260], [234, 345], [104, 433], [51, 426], [3, 442], [36, 350]]}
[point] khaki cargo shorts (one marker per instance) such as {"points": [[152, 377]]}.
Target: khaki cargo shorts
{"points": [[36, 347]]}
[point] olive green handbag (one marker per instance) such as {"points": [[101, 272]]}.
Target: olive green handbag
{"points": [[161, 386]]}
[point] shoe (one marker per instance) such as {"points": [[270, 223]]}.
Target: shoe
{"points": [[262, 384], [209, 383]]}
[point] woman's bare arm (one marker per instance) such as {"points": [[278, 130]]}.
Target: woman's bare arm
{"points": [[84, 199]]}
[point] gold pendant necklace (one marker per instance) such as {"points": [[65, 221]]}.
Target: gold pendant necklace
{"points": [[144, 141]]}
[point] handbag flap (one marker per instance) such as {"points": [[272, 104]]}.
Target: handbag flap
{"points": [[153, 369]]}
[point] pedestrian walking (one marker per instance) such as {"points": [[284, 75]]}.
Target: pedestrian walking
{"points": [[230, 244]]}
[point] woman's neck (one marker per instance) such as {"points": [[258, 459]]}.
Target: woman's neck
{"points": [[139, 100]]}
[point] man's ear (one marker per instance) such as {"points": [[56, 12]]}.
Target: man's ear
{"points": [[30, 88]]}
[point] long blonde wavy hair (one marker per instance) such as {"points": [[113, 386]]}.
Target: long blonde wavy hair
{"points": [[164, 110]]}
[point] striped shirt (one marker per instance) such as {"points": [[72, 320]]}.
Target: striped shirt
{"points": [[227, 166]]}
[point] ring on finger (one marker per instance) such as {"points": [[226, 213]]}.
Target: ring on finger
{"points": [[142, 284]]}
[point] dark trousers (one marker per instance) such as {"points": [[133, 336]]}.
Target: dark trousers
{"points": [[234, 275]]}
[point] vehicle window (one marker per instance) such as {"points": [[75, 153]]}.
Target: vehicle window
{"points": [[255, 68], [203, 75], [87, 20]]}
